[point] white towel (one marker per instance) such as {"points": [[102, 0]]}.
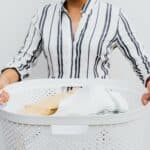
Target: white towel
{"points": [[93, 99]]}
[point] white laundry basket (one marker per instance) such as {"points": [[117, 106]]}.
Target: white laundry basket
{"points": [[105, 132]]}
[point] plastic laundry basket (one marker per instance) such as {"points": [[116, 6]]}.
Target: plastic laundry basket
{"points": [[102, 132]]}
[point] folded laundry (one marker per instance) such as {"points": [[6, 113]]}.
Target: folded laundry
{"points": [[92, 99]]}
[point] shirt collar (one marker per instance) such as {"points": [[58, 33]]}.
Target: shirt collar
{"points": [[85, 9]]}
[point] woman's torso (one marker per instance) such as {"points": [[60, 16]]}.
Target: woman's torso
{"points": [[86, 54]]}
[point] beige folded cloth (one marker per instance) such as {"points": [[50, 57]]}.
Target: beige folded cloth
{"points": [[46, 106]]}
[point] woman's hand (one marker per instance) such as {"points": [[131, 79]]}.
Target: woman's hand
{"points": [[146, 96], [4, 96], [7, 77]]}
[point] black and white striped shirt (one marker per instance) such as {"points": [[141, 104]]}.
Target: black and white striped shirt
{"points": [[101, 29]]}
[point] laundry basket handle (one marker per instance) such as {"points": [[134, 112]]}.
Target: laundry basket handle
{"points": [[70, 129]]}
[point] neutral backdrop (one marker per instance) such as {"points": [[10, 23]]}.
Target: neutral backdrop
{"points": [[15, 16]]}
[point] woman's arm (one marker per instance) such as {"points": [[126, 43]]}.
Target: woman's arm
{"points": [[23, 62], [20, 66], [132, 49]]}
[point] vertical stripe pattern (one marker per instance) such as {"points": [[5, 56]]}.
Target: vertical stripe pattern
{"points": [[85, 54]]}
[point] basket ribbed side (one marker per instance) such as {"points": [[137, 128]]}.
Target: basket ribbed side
{"points": [[128, 136]]}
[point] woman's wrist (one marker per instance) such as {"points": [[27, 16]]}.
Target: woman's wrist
{"points": [[4, 81], [11, 75]]}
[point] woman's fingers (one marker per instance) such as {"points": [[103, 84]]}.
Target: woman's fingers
{"points": [[4, 96], [146, 98]]}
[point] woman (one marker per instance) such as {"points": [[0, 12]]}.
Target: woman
{"points": [[77, 38]]}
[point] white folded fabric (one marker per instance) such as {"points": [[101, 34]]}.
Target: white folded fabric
{"points": [[93, 99]]}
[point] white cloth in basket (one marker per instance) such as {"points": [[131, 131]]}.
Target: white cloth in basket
{"points": [[92, 99]]}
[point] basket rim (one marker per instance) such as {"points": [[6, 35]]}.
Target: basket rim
{"points": [[125, 84], [93, 120], [107, 119]]}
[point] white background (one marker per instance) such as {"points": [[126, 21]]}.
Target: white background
{"points": [[15, 16]]}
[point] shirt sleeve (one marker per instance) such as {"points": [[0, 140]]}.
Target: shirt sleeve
{"points": [[30, 50], [132, 48]]}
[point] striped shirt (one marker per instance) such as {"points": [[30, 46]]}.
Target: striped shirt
{"points": [[86, 54]]}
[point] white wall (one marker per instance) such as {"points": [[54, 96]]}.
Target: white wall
{"points": [[15, 16]]}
